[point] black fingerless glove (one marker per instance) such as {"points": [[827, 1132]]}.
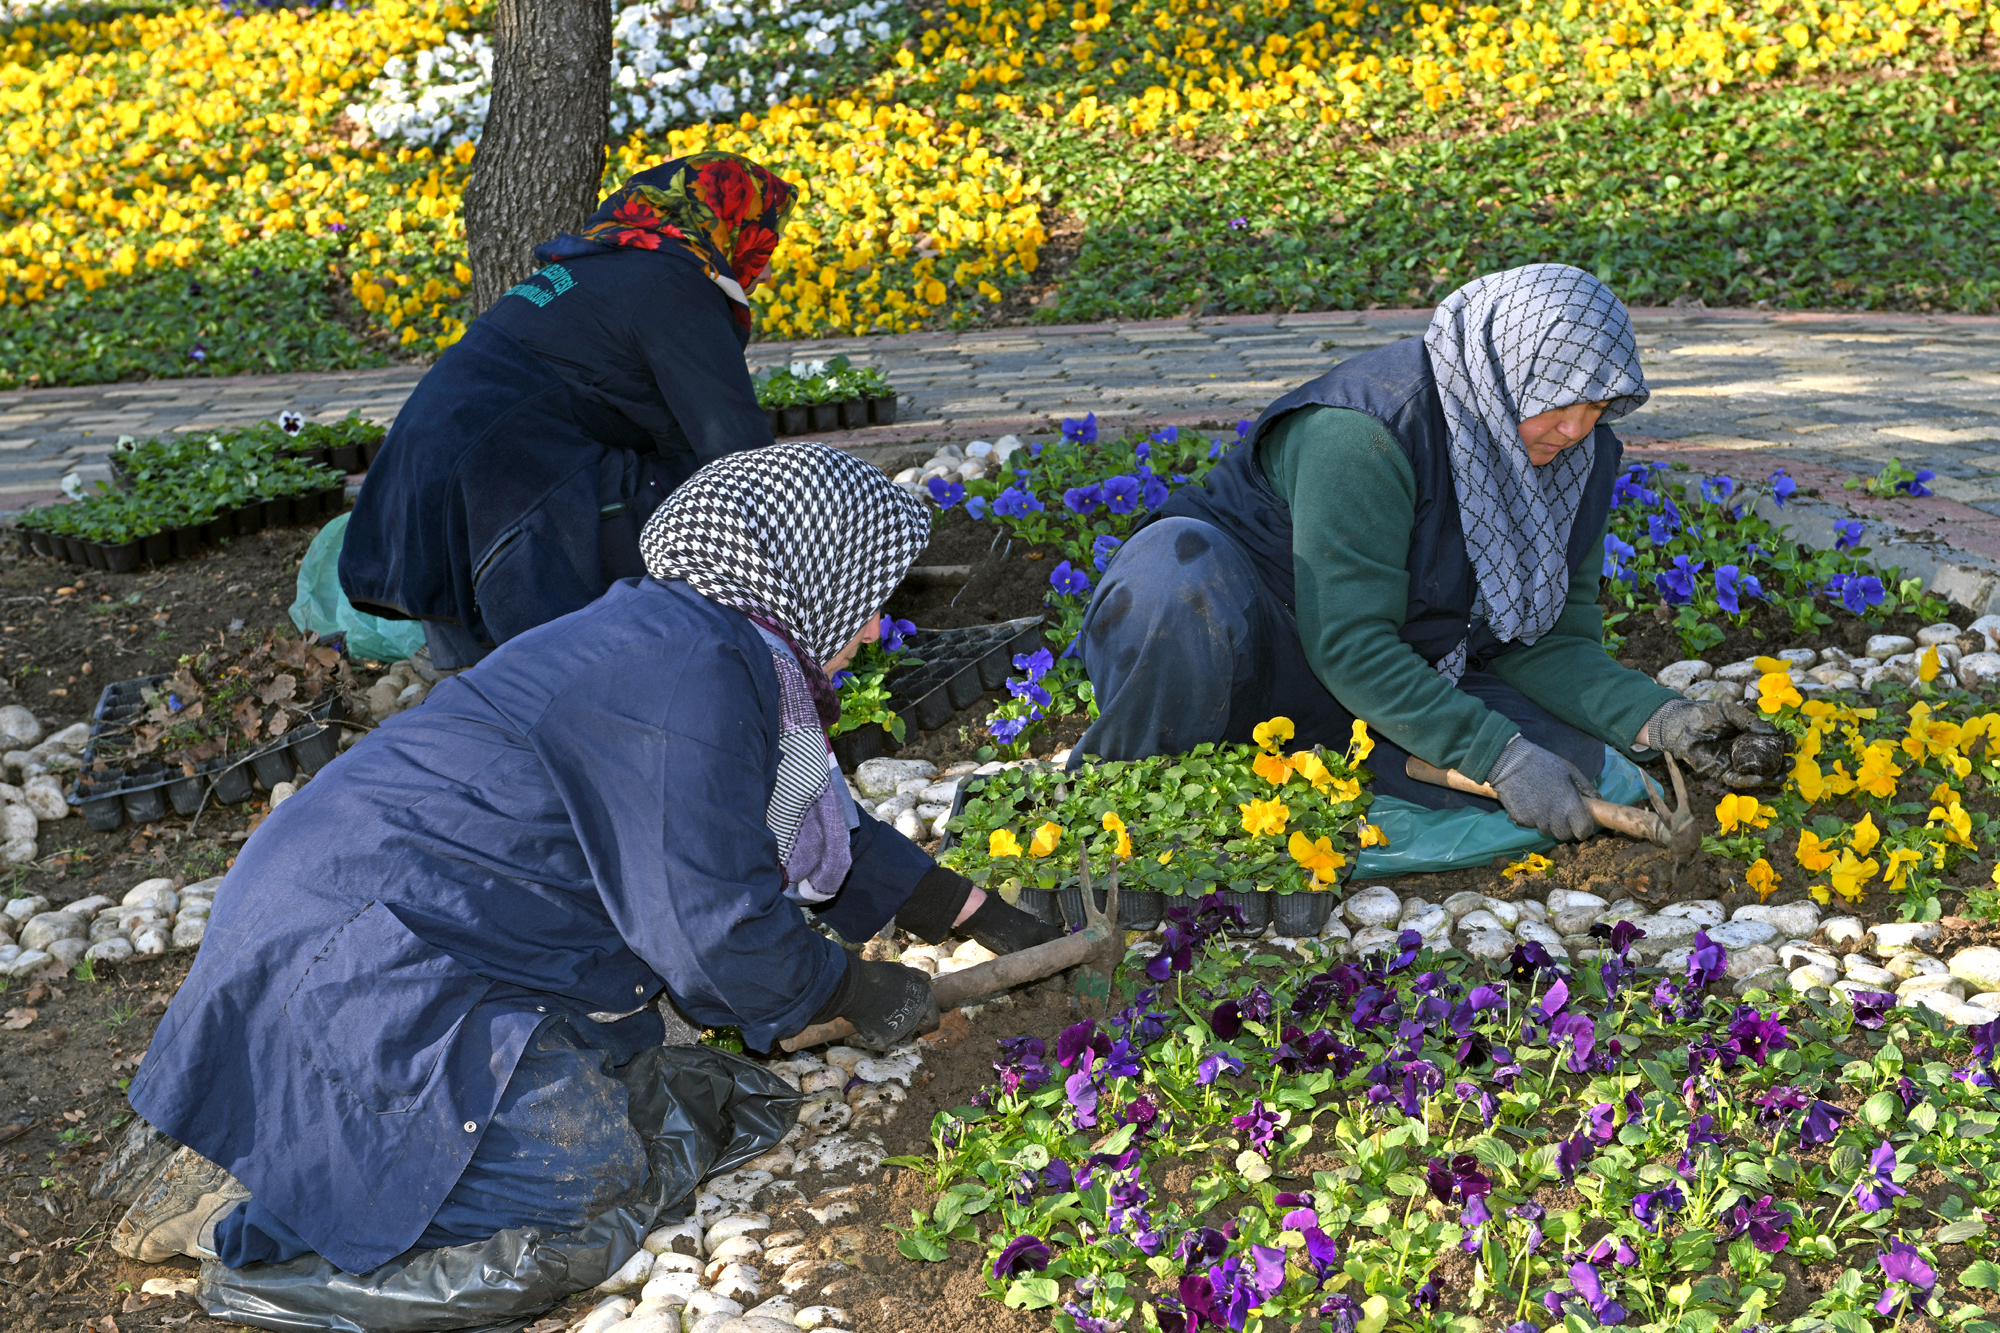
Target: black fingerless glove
{"points": [[887, 1003], [1005, 929]]}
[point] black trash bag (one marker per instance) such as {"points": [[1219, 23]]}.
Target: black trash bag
{"points": [[701, 1112]]}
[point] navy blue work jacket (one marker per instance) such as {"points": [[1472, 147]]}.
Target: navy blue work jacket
{"points": [[571, 825]]}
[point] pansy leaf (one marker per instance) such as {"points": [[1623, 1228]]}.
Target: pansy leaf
{"points": [[1966, 1228], [1374, 1314], [1984, 1274], [1033, 1293], [1880, 1109], [1494, 1152], [921, 1248]]}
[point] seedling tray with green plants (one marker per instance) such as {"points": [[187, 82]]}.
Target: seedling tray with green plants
{"points": [[926, 676], [175, 495], [257, 712], [813, 396]]}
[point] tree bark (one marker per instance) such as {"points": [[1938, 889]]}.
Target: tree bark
{"points": [[540, 162]]}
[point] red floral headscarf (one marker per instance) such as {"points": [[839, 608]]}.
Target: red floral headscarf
{"points": [[723, 211]]}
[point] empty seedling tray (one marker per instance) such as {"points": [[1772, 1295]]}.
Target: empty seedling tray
{"points": [[141, 788]]}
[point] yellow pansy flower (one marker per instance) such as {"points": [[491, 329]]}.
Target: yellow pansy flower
{"points": [[1359, 743], [1953, 821], [1114, 824], [1863, 837], [1813, 854], [1045, 839], [1776, 691], [1896, 866], [1534, 864], [1309, 766], [1762, 878], [1927, 665], [1737, 809], [1272, 769], [1002, 842], [1261, 817], [1316, 855], [1370, 835], [1272, 735], [1849, 874], [1807, 780], [1878, 771]]}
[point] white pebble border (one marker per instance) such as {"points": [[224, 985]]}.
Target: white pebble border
{"points": [[1970, 657]]}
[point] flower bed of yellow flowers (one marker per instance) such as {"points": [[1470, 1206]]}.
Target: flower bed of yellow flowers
{"points": [[149, 142], [1877, 798]]}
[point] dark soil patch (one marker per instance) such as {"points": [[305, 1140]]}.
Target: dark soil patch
{"points": [[1008, 578], [1650, 641]]}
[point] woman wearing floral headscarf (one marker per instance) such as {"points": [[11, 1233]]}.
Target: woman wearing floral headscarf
{"points": [[425, 974], [1414, 539], [514, 483]]}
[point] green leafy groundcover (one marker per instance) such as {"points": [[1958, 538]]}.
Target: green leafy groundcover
{"points": [[1868, 195], [177, 481], [1399, 1144]]}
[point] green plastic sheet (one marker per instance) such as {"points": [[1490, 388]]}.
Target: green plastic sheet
{"points": [[322, 608], [1425, 841]]}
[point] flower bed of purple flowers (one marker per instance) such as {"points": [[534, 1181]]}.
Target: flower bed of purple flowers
{"points": [[1412, 1141]]}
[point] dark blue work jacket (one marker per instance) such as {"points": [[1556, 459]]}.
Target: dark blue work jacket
{"points": [[1395, 385], [571, 825]]}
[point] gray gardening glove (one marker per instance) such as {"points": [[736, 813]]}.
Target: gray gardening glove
{"points": [[1542, 790], [1724, 741]]}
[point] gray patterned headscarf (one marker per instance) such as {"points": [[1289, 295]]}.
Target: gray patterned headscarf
{"points": [[1505, 347]]}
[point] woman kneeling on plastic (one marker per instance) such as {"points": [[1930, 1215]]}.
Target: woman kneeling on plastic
{"points": [[1414, 539], [425, 967]]}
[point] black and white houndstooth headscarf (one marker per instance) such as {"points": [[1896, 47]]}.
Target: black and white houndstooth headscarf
{"points": [[805, 534], [1505, 347]]}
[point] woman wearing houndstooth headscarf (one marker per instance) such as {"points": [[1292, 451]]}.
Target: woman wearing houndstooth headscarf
{"points": [[440, 957], [1415, 540]]}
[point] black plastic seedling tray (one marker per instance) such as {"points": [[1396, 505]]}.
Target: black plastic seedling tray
{"points": [[157, 548], [960, 666], [848, 414], [142, 789]]}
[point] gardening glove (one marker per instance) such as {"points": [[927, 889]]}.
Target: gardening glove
{"points": [[1542, 790], [887, 1003], [1724, 741], [1006, 929]]}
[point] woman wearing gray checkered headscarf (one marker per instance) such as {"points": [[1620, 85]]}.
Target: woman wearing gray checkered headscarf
{"points": [[1414, 540]]}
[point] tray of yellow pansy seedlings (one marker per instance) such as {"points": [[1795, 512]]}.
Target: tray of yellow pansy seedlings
{"points": [[1273, 829]]}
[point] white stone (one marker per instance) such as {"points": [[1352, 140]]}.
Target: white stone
{"points": [[167, 1286], [1910, 963], [1676, 960], [152, 892], [1845, 930], [942, 792], [1942, 982], [1811, 975], [1704, 912], [27, 961], [67, 953], [1375, 939], [113, 950], [1509, 914], [1492, 945], [1990, 1000], [1942, 632], [1574, 919], [1794, 954], [1867, 974], [1480, 920], [822, 1316], [628, 1275], [736, 1282], [19, 728], [1431, 922], [188, 932], [1770, 979], [1529, 909], [152, 941], [1978, 967], [20, 909], [1792, 920], [1680, 675], [45, 929], [1461, 903], [1798, 658], [1975, 670], [680, 1238], [1538, 932], [1665, 932], [709, 1302], [71, 738], [43, 795], [1740, 672], [90, 906], [1737, 935], [605, 1316], [728, 1228], [1561, 899], [1715, 692], [1749, 961], [878, 778], [1894, 937], [910, 826], [1881, 647], [1338, 932], [1377, 906], [1989, 626], [283, 792]]}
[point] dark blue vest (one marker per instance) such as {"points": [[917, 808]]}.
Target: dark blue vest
{"points": [[1394, 385]]}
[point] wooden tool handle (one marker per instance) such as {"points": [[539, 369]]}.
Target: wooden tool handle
{"points": [[1641, 824]]}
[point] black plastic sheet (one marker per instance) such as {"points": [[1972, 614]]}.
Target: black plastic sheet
{"points": [[701, 1112]]}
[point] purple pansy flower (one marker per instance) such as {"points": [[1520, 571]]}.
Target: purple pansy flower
{"points": [[1761, 1221], [1909, 1276], [1876, 1190], [1654, 1204], [1022, 1252]]}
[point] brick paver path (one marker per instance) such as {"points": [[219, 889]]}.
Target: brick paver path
{"points": [[1840, 392]]}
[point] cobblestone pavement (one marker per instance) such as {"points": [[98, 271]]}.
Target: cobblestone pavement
{"points": [[1846, 392]]}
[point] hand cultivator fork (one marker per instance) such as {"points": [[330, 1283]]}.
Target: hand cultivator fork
{"points": [[1673, 829], [1095, 951]]}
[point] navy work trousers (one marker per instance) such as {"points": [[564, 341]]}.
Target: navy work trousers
{"points": [[1184, 644], [559, 1150]]}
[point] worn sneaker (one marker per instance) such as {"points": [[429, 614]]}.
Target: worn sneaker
{"points": [[178, 1212]]}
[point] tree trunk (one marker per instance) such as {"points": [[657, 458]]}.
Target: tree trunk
{"points": [[541, 156]]}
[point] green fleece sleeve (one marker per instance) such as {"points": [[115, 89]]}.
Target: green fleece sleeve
{"points": [[1353, 500], [1568, 672]]}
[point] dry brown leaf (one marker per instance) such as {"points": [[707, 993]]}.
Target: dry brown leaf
{"points": [[19, 1018], [280, 689], [279, 721]]}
